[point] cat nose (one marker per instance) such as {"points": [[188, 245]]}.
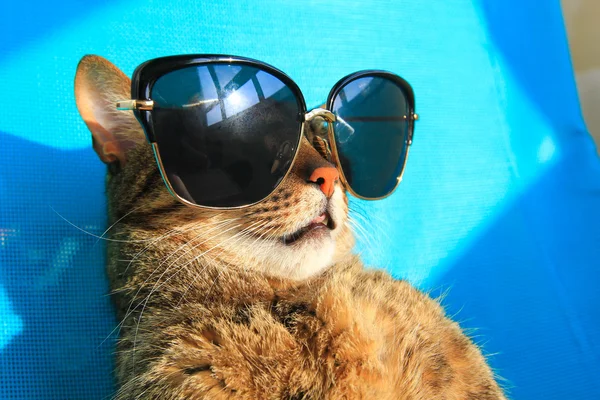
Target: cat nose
{"points": [[325, 177]]}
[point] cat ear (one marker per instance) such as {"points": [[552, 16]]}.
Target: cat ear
{"points": [[98, 86]]}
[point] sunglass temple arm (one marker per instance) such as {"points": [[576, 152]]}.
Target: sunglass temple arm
{"points": [[144, 105]]}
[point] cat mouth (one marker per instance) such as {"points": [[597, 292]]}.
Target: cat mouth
{"points": [[319, 226]]}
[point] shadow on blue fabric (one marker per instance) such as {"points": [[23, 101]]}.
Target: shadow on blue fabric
{"points": [[58, 343], [541, 297]]}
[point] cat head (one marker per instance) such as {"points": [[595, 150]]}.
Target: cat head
{"points": [[298, 231]]}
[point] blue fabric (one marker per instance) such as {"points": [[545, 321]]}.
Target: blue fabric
{"points": [[499, 208]]}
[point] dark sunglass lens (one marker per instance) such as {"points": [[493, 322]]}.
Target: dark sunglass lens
{"points": [[226, 133], [371, 133]]}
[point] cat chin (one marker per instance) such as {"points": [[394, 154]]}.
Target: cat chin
{"points": [[299, 261], [306, 260]]}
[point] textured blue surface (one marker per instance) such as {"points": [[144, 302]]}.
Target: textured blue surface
{"points": [[499, 207]]}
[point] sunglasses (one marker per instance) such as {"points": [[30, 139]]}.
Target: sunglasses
{"points": [[226, 130]]}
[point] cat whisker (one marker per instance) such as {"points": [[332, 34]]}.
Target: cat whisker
{"points": [[93, 234], [158, 286], [358, 220], [116, 222], [365, 251], [242, 235], [193, 248], [217, 226], [245, 236], [101, 237], [369, 221], [360, 231], [174, 232], [167, 235], [130, 310]]}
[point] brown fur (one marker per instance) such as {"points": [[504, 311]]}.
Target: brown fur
{"points": [[213, 306]]}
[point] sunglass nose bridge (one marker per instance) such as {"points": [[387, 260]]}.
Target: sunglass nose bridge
{"points": [[319, 112], [318, 134]]}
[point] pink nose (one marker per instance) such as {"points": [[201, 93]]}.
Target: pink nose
{"points": [[325, 177]]}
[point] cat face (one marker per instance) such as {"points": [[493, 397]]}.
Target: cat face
{"points": [[298, 231]]}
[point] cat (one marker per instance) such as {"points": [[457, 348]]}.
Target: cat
{"points": [[215, 304]]}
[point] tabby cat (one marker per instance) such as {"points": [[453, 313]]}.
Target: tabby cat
{"points": [[217, 305]]}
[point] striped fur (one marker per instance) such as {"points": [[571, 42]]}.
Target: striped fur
{"points": [[213, 305]]}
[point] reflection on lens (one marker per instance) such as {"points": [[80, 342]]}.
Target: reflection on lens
{"points": [[371, 131], [226, 133]]}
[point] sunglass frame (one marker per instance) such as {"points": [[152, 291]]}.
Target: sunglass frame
{"points": [[147, 73]]}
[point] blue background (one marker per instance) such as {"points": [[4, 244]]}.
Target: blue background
{"points": [[499, 209]]}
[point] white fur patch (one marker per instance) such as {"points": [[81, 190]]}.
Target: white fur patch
{"points": [[304, 259]]}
